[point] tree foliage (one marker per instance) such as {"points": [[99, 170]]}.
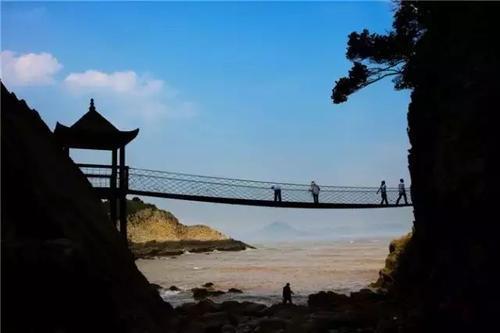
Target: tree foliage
{"points": [[376, 56]]}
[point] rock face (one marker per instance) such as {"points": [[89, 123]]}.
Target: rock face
{"points": [[448, 267], [64, 266], [173, 248], [329, 312], [397, 249], [155, 224], [155, 232]]}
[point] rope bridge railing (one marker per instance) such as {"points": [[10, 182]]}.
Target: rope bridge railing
{"points": [[216, 187], [155, 183]]}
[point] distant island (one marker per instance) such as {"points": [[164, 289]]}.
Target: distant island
{"points": [[278, 231], [155, 232]]}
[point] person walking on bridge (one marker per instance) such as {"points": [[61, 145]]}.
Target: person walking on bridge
{"points": [[315, 192], [277, 193], [402, 192], [383, 193], [287, 294]]}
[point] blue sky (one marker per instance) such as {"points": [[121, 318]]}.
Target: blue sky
{"points": [[224, 89]]}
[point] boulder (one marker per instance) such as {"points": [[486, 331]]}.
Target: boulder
{"points": [[272, 325], [201, 293], [173, 288], [287, 310], [208, 285], [366, 295], [344, 321], [155, 286], [228, 329], [198, 309], [244, 308], [213, 321], [231, 306], [235, 291], [252, 309], [327, 299]]}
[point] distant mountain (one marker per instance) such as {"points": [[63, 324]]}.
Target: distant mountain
{"points": [[281, 231], [278, 231]]}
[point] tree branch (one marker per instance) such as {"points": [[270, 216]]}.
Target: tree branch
{"points": [[368, 82]]}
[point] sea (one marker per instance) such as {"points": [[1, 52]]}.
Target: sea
{"points": [[343, 266]]}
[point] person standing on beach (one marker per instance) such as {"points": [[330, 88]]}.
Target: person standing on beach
{"points": [[315, 192], [402, 192], [277, 193], [287, 294], [383, 193]]}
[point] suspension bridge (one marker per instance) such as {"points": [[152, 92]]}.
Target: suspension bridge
{"points": [[114, 182], [182, 186]]}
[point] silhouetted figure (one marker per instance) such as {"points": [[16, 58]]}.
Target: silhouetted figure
{"points": [[315, 192], [277, 193], [287, 294], [402, 192], [383, 193]]}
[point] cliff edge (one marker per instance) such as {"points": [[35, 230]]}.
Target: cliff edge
{"points": [[64, 266], [156, 232]]}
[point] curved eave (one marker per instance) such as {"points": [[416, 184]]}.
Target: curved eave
{"points": [[87, 139]]}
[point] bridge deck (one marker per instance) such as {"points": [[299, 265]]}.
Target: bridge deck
{"points": [[238, 191]]}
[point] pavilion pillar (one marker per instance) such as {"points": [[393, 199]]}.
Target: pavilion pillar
{"points": [[123, 195], [112, 187]]}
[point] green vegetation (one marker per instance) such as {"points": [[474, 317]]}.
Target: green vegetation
{"points": [[135, 205], [375, 56], [397, 248]]}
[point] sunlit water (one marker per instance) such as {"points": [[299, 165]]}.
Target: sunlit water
{"points": [[342, 266]]}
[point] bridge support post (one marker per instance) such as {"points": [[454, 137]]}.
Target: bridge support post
{"points": [[113, 197], [123, 195]]}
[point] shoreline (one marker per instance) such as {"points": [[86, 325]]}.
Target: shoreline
{"points": [[152, 249], [361, 311]]}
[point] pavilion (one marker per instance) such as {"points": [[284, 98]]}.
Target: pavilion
{"points": [[93, 131]]}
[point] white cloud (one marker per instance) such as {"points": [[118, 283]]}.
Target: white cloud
{"points": [[136, 96], [29, 68], [127, 82]]}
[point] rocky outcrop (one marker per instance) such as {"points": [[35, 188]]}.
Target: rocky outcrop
{"points": [[397, 249], [447, 272], [364, 311], [156, 232], [155, 224], [64, 266], [162, 249], [201, 293]]}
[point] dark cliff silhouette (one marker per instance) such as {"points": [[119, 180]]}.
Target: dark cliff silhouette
{"points": [[447, 54], [64, 267]]}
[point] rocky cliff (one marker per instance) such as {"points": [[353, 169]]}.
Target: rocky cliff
{"points": [[447, 53], [151, 223], [447, 271], [156, 232], [64, 266]]}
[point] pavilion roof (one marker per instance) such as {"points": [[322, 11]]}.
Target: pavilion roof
{"points": [[93, 131]]}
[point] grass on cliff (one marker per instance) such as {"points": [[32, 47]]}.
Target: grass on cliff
{"points": [[136, 204], [397, 248]]}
